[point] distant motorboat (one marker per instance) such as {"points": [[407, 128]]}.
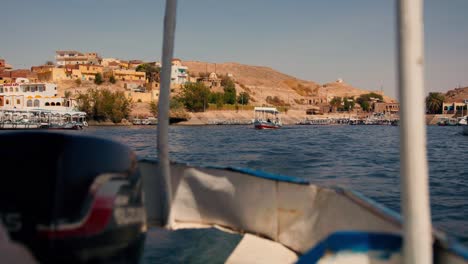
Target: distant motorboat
{"points": [[145, 121], [266, 118]]}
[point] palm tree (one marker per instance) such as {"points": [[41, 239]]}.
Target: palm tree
{"points": [[434, 103]]}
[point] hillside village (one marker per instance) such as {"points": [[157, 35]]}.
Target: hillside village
{"points": [[75, 72]]}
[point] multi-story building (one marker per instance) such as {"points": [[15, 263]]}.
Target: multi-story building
{"points": [[25, 94], [179, 73], [391, 108], [73, 57]]}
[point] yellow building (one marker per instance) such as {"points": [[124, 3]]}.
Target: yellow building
{"points": [[88, 71], [129, 75], [50, 74]]}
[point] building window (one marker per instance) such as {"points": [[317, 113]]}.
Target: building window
{"points": [[57, 104], [7, 101], [18, 101], [47, 104], [52, 104], [36, 103], [11, 89], [29, 103]]}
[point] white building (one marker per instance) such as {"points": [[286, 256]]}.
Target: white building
{"points": [[179, 74], [23, 95]]}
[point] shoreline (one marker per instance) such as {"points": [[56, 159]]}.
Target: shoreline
{"points": [[245, 117]]}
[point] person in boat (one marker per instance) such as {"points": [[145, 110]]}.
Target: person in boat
{"points": [[268, 120]]}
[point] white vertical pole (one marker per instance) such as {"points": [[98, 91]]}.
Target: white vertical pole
{"points": [[414, 173], [163, 113]]}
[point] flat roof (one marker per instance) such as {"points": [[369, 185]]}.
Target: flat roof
{"points": [[266, 109]]}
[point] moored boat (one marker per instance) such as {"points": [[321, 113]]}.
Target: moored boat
{"points": [[443, 121], [452, 122], [25, 119]]}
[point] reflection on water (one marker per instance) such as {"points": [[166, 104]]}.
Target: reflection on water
{"points": [[362, 158]]}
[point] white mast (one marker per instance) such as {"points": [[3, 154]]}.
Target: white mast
{"points": [[414, 173], [163, 113]]}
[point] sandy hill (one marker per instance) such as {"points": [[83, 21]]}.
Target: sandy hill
{"points": [[260, 82], [457, 95]]}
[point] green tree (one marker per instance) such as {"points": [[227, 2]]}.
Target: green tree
{"points": [[217, 98], [365, 100], [104, 104], [229, 90], [434, 103], [152, 72], [243, 98], [112, 79], [365, 105], [98, 79], [336, 102], [348, 103], [195, 96]]}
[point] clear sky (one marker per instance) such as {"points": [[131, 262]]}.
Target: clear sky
{"points": [[318, 40]]}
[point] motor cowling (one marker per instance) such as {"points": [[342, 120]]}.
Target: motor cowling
{"points": [[71, 198]]}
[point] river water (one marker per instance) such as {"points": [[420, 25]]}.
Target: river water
{"points": [[362, 158]]}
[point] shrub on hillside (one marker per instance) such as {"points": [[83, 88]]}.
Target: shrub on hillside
{"points": [[98, 79], [243, 98], [276, 101]]}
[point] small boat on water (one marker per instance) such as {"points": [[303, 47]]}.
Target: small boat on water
{"points": [[145, 121], [445, 121], [266, 118]]}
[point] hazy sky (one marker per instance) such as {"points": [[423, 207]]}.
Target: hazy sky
{"points": [[318, 40]]}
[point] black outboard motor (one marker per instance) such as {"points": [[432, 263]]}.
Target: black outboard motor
{"points": [[71, 199]]}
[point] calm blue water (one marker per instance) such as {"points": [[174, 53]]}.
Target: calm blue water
{"points": [[362, 158]]}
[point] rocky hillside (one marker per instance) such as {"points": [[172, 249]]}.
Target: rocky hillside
{"points": [[456, 95], [260, 82]]}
